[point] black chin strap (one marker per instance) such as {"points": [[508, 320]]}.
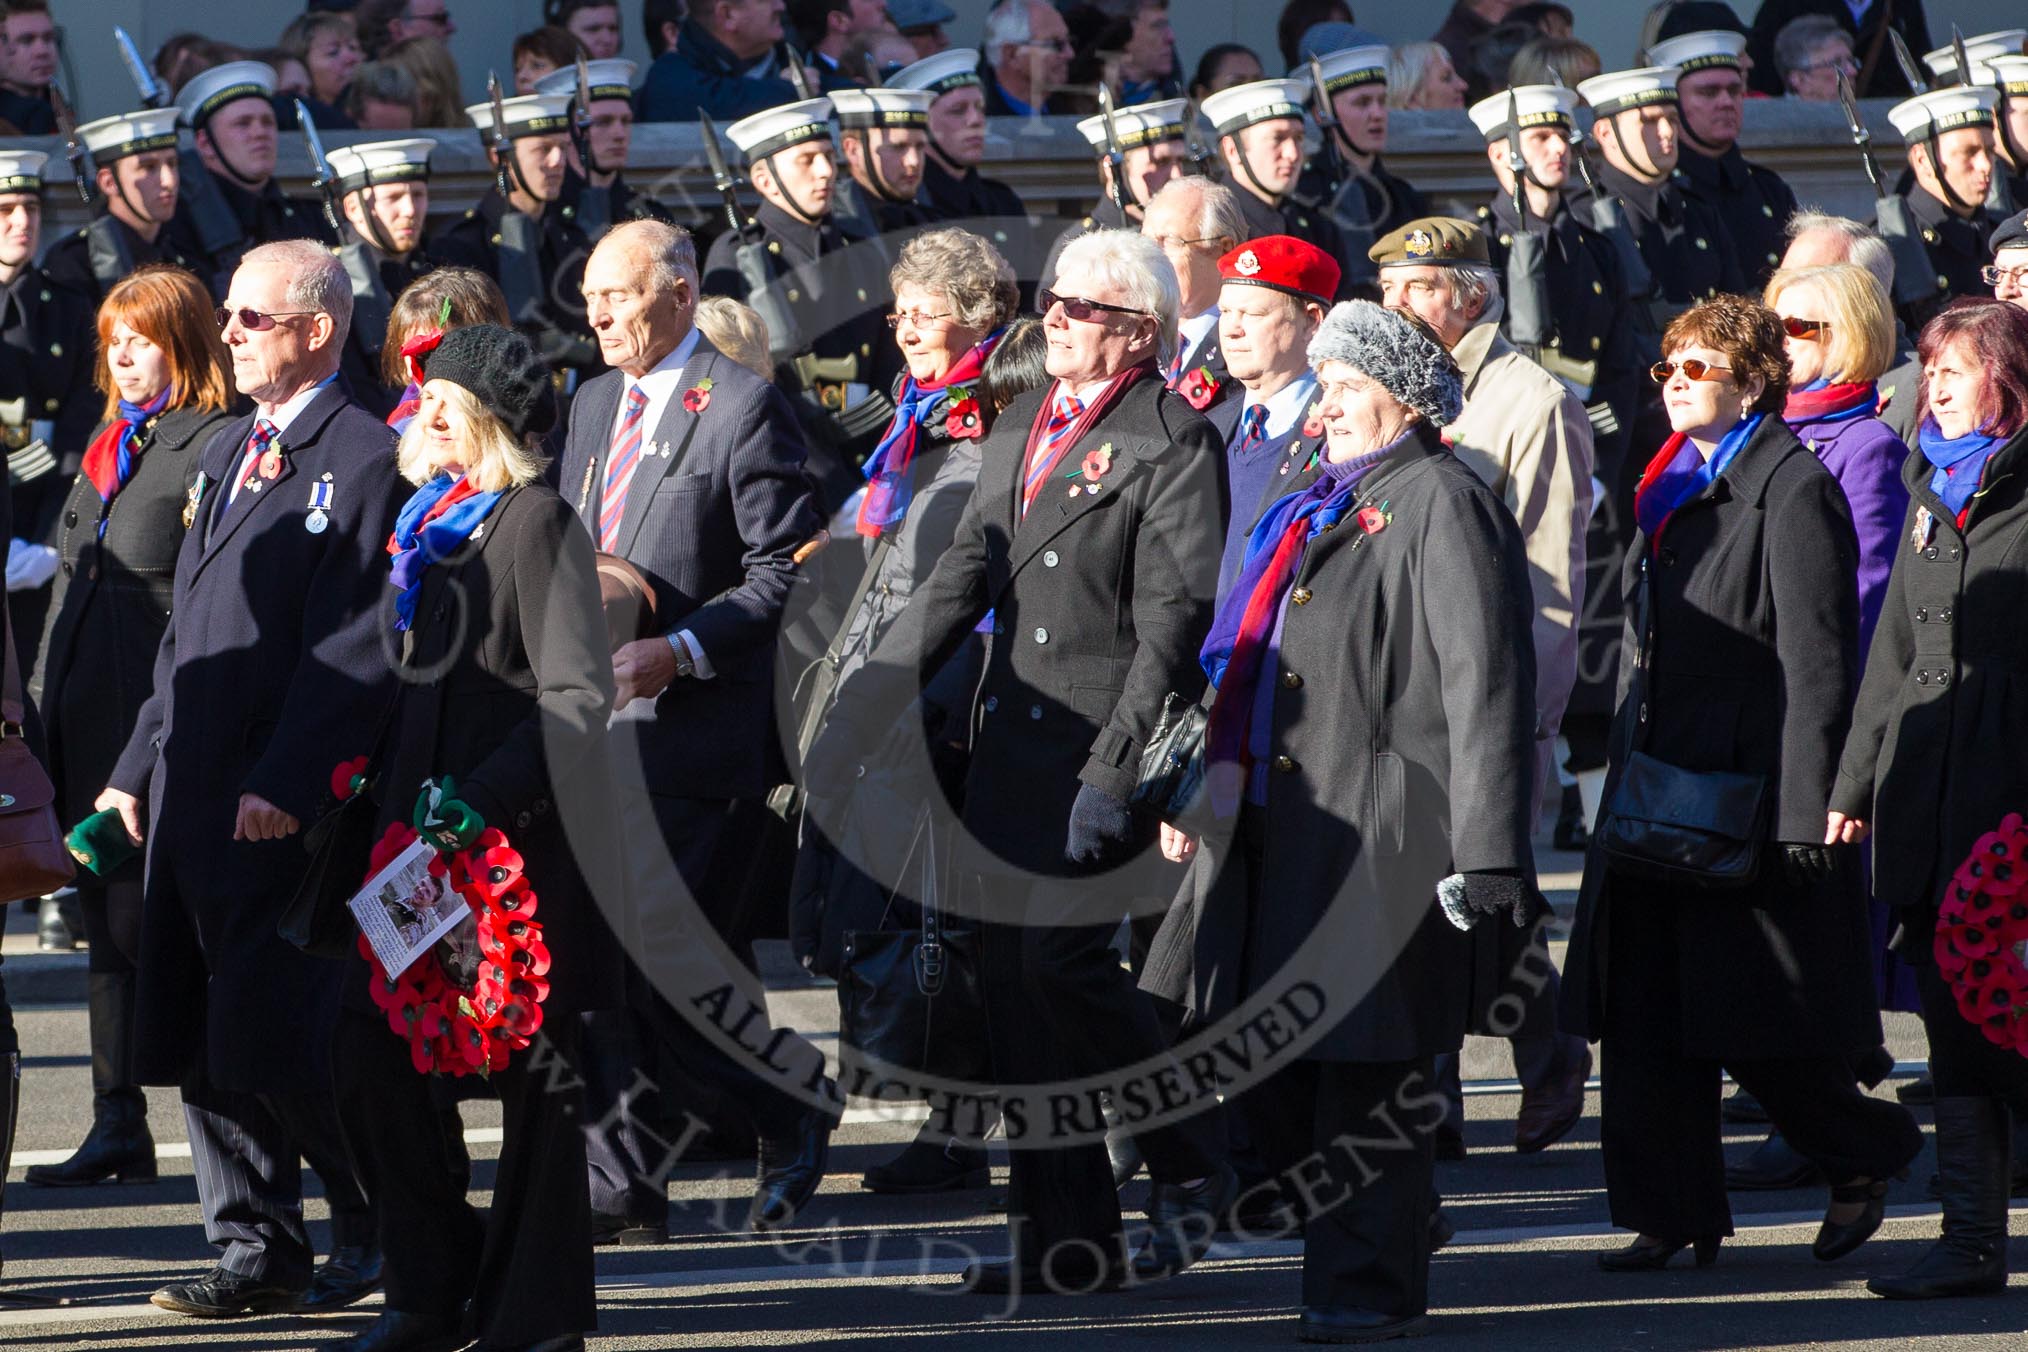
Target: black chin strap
{"points": [[1957, 204], [517, 179], [121, 189], [880, 187], [1653, 173], [231, 170], [374, 230], [796, 208], [1273, 199]]}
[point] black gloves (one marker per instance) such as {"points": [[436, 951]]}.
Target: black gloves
{"points": [[1808, 865], [1101, 827], [1468, 898]]}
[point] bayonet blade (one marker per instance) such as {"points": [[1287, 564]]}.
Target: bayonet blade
{"points": [[1963, 57], [1911, 69], [81, 168], [318, 162], [583, 115], [503, 149], [1516, 165], [798, 75], [150, 89], [1116, 158], [1862, 136], [1327, 116]]}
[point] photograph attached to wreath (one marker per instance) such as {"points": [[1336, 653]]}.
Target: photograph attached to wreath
{"points": [[470, 965], [1982, 935]]}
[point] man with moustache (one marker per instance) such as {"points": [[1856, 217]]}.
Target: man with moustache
{"points": [[1949, 134], [598, 193], [528, 239], [1260, 130], [1194, 222], [383, 190], [138, 176]]}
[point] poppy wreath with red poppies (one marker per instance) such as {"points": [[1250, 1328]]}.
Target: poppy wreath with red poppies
{"points": [[1982, 933], [452, 1030]]}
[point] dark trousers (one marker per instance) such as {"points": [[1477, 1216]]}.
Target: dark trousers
{"points": [[1543, 1054], [1961, 1061], [1059, 1005], [112, 920], [526, 1267], [1353, 1144], [245, 1150], [647, 1069]]}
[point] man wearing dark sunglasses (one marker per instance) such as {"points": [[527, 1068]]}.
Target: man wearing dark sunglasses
{"points": [[1028, 51]]}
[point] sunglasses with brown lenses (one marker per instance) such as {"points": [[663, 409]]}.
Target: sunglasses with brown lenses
{"points": [[1693, 368], [1812, 329]]}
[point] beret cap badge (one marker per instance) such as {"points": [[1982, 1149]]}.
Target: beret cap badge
{"points": [[1420, 244], [1247, 264]]}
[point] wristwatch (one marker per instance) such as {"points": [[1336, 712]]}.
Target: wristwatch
{"points": [[686, 665]]}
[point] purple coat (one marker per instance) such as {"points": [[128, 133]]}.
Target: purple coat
{"points": [[1865, 456]]}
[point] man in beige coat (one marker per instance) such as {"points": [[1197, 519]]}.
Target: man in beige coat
{"points": [[1528, 437]]}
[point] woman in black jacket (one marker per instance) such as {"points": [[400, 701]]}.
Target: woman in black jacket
{"points": [[163, 370], [1934, 759], [499, 640], [1745, 560]]}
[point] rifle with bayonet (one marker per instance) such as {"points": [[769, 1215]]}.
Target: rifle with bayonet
{"points": [[218, 230], [519, 252], [798, 73], [1609, 218], [1116, 158], [1529, 325], [371, 305], [323, 180], [763, 293], [81, 170], [594, 203], [1201, 161], [1344, 195], [1912, 270]]}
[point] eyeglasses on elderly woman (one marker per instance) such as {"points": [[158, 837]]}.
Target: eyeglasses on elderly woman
{"points": [[1078, 308], [1692, 367]]}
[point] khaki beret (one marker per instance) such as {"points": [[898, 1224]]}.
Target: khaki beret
{"points": [[1433, 241]]}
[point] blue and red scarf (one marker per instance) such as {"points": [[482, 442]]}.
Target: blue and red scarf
{"points": [[1679, 472], [1242, 636], [406, 408], [1822, 401], [890, 476], [438, 518], [1960, 464], [109, 460]]}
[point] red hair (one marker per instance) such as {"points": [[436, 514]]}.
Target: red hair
{"points": [[1996, 332], [173, 310]]}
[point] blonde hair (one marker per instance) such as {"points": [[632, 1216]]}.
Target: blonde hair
{"points": [[501, 461], [1407, 67], [1859, 345], [737, 331]]}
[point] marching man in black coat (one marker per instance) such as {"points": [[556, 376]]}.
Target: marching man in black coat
{"points": [[1093, 541], [272, 667]]}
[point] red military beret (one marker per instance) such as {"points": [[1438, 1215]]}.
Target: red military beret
{"points": [[1286, 264]]}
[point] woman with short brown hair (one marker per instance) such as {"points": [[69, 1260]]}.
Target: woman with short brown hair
{"points": [[1742, 610], [163, 369]]}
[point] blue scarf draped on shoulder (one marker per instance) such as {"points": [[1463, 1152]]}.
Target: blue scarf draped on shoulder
{"points": [[437, 519], [1679, 473], [1960, 463]]}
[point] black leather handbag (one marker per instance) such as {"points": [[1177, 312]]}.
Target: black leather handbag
{"points": [[1172, 763], [910, 998], [1700, 828]]}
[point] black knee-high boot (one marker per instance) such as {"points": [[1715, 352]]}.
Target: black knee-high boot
{"points": [[119, 1144], [1970, 1259]]}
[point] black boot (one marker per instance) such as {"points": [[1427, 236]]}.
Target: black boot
{"points": [[933, 1162], [1972, 1159], [57, 924], [119, 1144], [1569, 832]]}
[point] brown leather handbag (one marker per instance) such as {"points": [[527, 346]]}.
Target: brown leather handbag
{"points": [[33, 859]]}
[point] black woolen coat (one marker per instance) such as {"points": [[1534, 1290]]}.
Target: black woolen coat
{"points": [[1754, 668]]}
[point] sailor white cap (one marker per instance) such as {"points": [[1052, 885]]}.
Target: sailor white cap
{"points": [[529, 115], [2007, 73], [779, 128], [1943, 110], [1261, 101], [1141, 125], [2007, 42], [1534, 106], [878, 107], [363, 166], [210, 90], [1619, 90], [21, 170], [115, 138], [611, 78], [1693, 52], [1348, 67], [956, 68]]}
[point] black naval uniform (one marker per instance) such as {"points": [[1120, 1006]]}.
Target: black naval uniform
{"points": [[862, 212], [1390, 203], [263, 217], [1689, 256], [377, 282], [834, 284], [1754, 203], [1956, 246], [91, 258], [989, 208], [598, 210], [1298, 218], [544, 293]]}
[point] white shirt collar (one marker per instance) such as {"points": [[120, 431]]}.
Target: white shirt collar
{"points": [[661, 381], [291, 410], [1287, 405], [1191, 332]]}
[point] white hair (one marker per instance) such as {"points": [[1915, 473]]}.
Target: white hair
{"points": [[1006, 23], [1132, 264], [1473, 287], [1218, 213], [668, 251], [1863, 244], [317, 282]]}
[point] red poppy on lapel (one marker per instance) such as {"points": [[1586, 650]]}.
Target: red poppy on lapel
{"points": [[1097, 463], [348, 778], [962, 419], [1200, 387], [1372, 520], [698, 397], [1313, 424]]}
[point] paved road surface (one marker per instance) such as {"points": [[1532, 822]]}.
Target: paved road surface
{"points": [[870, 1272]]}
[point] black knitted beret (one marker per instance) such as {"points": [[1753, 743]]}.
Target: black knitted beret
{"points": [[501, 367]]}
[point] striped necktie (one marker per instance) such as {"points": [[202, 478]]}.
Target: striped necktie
{"points": [[1175, 365], [257, 445], [621, 463], [1055, 440], [1252, 429]]}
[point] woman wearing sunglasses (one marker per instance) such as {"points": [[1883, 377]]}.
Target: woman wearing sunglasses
{"points": [[1743, 566], [1934, 757]]}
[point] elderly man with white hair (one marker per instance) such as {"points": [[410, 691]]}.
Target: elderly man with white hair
{"points": [[273, 670], [1093, 544]]}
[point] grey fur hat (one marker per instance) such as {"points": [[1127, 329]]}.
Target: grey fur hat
{"points": [[1399, 353]]}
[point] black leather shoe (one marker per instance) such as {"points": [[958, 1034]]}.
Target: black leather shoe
{"points": [[607, 1228], [1546, 1116], [1920, 1090], [400, 1331], [54, 932], [1004, 1277], [790, 1170], [1835, 1239], [1350, 1324], [930, 1166], [1773, 1165], [1654, 1255], [1569, 832], [350, 1274], [1123, 1152], [226, 1295], [1182, 1221], [118, 1146]]}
